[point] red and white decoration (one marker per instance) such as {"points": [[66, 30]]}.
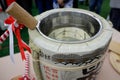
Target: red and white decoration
{"points": [[4, 36], [14, 27], [27, 75]]}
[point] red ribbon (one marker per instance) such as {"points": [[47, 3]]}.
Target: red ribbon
{"points": [[21, 44], [9, 20], [9, 2], [24, 78]]}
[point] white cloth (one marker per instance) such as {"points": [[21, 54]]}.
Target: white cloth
{"points": [[115, 4], [67, 5]]}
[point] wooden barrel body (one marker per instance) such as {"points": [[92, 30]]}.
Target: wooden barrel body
{"points": [[69, 44]]}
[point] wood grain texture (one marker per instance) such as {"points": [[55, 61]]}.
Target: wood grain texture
{"points": [[21, 15], [115, 61], [115, 47]]}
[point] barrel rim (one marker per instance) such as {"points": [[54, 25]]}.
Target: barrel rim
{"points": [[47, 13]]}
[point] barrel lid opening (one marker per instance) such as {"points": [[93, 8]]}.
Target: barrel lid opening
{"points": [[70, 27]]}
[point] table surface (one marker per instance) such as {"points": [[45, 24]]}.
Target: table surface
{"points": [[9, 70]]}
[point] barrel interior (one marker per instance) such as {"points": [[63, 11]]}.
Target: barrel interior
{"points": [[69, 26]]}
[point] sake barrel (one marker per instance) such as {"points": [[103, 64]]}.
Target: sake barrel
{"points": [[69, 44]]}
